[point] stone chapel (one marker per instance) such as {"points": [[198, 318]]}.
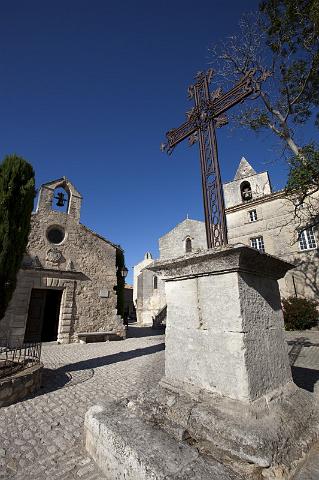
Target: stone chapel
{"points": [[68, 281], [256, 216]]}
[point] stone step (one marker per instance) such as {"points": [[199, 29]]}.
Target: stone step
{"points": [[127, 448]]}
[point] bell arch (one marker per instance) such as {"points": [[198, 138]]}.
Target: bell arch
{"points": [[61, 196], [246, 191], [61, 199]]}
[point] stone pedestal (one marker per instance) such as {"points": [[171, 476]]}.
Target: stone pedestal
{"points": [[225, 326], [227, 389]]}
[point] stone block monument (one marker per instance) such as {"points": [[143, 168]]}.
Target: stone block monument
{"points": [[227, 407]]}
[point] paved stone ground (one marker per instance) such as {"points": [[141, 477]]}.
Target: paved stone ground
{"points": [[42, 437], [305, 372]]}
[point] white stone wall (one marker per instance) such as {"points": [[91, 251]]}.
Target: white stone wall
{"points": [[150, 300], [172, 245], [260, 186], [277, 224], [148, 260]]}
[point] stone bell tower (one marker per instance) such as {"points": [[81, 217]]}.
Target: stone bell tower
{"points": [[69, 200], [247, 185]]}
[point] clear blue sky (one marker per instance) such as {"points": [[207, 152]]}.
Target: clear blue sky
{"points": [[88, 90]]}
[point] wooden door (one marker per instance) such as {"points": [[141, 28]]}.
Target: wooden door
{"points": [[35, 315]]}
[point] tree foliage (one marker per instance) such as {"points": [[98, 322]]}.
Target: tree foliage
{"points": [[292, 28], [299, 313], [17, 192], [281, 44], [303, 177]]}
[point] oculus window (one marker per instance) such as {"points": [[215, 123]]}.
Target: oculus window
{"points": [[55, 235]]}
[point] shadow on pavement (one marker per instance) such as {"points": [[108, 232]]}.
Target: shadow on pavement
{"points": [[305, 342], [71, 374], [305, 378], [114, 358], [137, 332]]}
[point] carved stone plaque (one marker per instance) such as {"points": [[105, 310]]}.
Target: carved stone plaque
{"points": [[54, 255], [104, 293]]}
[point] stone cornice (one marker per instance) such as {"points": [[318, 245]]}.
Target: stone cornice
{"points": [[54, 272], [251, 203], [233, 258]]}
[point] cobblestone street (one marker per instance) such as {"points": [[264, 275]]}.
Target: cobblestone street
{"points": [[42, 437], [305, 371]]}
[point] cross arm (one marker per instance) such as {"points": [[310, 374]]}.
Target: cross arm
{"points": [[237, 94], [177, 135]]}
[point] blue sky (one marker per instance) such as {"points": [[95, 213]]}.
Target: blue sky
{"points": [[88, 90]]}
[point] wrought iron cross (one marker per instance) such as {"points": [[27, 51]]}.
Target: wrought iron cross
{"points": [[208, 113]]}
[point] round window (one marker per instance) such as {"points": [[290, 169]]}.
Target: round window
{"points": [[55, 235]]}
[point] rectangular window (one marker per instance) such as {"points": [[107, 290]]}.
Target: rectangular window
{"points": [[307, 239], [155, 282], [253, 215], [258, 243]]}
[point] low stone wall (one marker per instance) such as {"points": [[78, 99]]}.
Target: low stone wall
{"points": [[20, 385]]}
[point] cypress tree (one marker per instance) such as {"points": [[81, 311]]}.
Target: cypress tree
{"points": [[17, 192]]}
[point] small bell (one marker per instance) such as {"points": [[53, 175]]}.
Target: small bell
{"points": [[60, 199]]}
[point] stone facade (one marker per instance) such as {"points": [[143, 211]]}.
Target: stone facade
{"points": [[173, 243], [148, 293], [256, 216], [271, 216], [64, 255]]}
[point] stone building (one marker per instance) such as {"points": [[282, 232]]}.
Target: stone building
{"points": [[256, 216], [148, 292], [69, 277], [129, 307]]}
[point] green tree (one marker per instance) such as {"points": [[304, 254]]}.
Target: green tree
{"points": [[292, 29], [281, 44], [303, 179], [299, 313], [17, 192]]}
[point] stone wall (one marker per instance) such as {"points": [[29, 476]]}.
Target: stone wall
{"points": [[277, 224], [173, 244], [20, 385], [147, 260], [150, 300], [129, 308]]}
